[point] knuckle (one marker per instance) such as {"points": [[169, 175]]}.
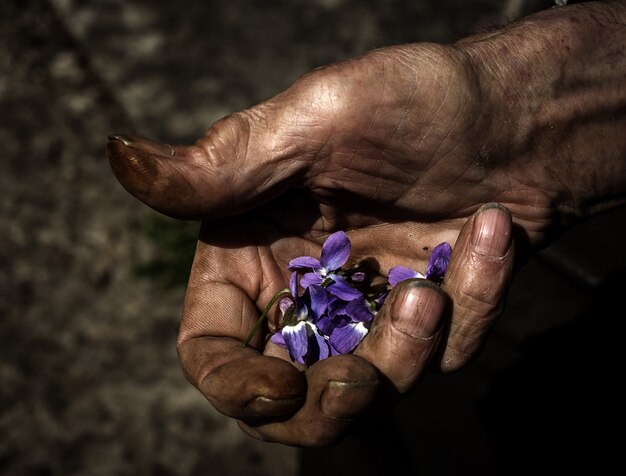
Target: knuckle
{"points": [[472, 318], [470, 324], [477, 306], [226, 140]]}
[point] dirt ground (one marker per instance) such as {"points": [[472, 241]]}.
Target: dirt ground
{"points": [[90, 381]]}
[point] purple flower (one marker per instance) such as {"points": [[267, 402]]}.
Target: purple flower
{"points": [[335, 252], [438, 262], [345, 339], [300, 335], [400, 273], [350, 324], [346, 323], [357, 310], [320, 324], [303, 341], [437, 265], [332, 316], [341, 313]]}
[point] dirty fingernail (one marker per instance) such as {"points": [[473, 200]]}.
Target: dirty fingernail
{"points": [[418, 311], [144, 144], [491, 234]]}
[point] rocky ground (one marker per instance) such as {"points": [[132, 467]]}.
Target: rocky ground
{"points": [[90, 382]]}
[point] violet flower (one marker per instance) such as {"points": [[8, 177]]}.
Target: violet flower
{"points": [[344, 340], [438, 262], [335, 252], [332, 316], [437, 266], [300, 335], [340, 313], [349, 324]]}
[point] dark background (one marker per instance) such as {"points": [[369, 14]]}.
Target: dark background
{"points": [[91, 282]]}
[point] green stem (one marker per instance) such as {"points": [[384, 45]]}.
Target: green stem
{"points": [[263, 315]]}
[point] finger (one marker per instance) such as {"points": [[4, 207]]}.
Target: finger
{"points": [[477, 281], [217, 318], [340, 389], [166, 178], [242, 162], [404, 334], [239, 382]]}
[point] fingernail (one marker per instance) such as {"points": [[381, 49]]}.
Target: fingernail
{"points": [[344, 400], [269, 407], [144, 144], [418, 311], [491, 235]]}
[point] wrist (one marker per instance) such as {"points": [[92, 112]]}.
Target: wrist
{"points": [[555, 81]]}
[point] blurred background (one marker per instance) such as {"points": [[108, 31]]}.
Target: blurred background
{"points": [[92, 282]]}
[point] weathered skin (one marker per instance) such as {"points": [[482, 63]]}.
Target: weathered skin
{"points": [[400, 148]]}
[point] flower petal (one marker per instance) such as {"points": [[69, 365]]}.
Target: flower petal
{"points": [[400, 273], [345, 339], [337, 314], [303, 313], [358, 277], [359, 310], [325, 325], [278, 339], [438, 262], [308, 279], [335, 251], [293, 285], [319, 300], [337, 307], [342, 289], [297, 341], [284, 304], [341, 310], [334, 351], [304, 262], [318, 346]]}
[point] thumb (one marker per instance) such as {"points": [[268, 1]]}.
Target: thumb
{"points": [[405, 333], [244, 160]]}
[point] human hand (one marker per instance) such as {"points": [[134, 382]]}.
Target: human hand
{"points": [[241, 260], [399, 148]]}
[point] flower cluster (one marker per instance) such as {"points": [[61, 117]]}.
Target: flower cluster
{"points": [[329, 309]]}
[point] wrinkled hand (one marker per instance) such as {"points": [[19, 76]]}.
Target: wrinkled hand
{"points": [[382, 147], [400, 148]]}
